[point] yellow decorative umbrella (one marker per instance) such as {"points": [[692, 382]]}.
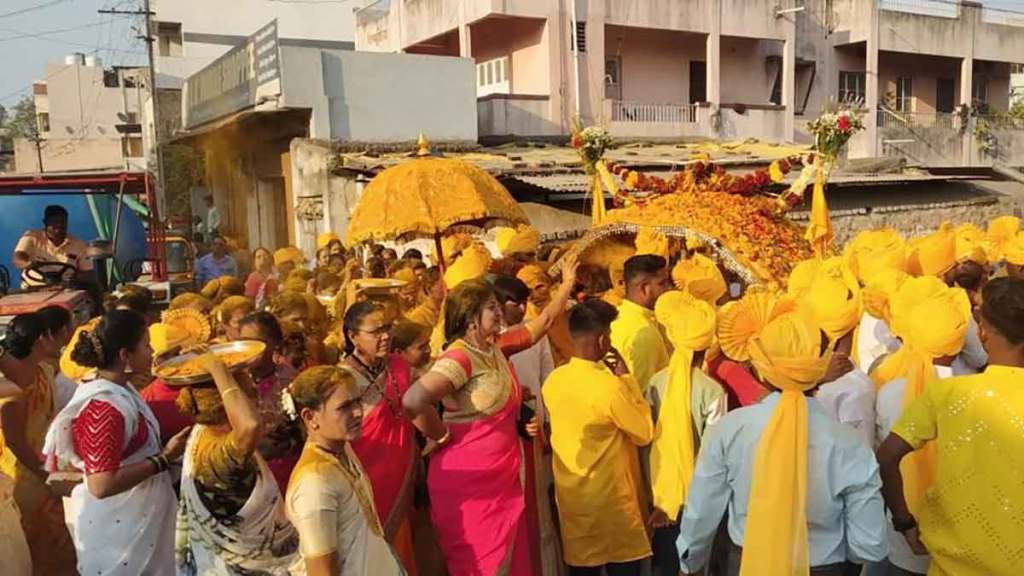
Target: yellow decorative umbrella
{"points": [[427, 195]]}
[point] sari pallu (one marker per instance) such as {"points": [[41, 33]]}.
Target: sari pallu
{"points": [[476, 495], [259, 539], [130, 533], [387, 451]]}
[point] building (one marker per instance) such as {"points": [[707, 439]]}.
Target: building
{"points": [[921, 70], [88, 118], [243, 111]]}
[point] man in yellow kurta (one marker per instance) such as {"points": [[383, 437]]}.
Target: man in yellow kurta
{"points": [[635, 333], [598, 419], [971, 519]]}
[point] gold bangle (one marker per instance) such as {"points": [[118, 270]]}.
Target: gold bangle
{"points": [[225, 393], [445, 438]]}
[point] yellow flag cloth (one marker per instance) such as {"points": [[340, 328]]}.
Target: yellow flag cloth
{"points": [[934, 254], [512, 241], [597, 191], [1013, 250], [325, 239], [872, 251], [700, 276], [932, 320], [819, 230], [651, 241], [1000, 231], [690, 325], [471, 264], [787, 354]]}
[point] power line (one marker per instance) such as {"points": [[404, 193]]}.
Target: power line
{"points": [[32, 8], [48, 32]]}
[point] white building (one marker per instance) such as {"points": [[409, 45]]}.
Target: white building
{"points": [[87, 117]]}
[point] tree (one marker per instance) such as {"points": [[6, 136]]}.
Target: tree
{"points": [[19, 122]]}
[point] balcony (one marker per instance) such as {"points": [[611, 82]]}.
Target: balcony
{"points": [[646, 120]]}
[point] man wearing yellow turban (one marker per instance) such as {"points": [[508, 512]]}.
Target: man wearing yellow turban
{"points": [[700, 276], [800, 491], [326, 239], [872, 251], [934, 254], [539, 283], [1000, 231], [522, 242], [932, 320], [1013, 253], [686, 402], [598, 419], [635, 333], [969, 521], [875, 339]]}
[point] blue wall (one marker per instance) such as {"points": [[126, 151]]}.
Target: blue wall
{"points": [[24, 212]]}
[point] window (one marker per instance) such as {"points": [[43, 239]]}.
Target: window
{"points": [[131, 147], [111, 79], [851, 87], [979, 89], [904, 94], [492, 77], [168, 39], [581, 37], [613, 78], [698, 81], [43, 122], [945, 95]]}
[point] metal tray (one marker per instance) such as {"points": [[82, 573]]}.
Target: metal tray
{"points": [[251, 349]]}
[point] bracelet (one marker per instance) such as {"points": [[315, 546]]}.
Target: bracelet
{"points": [[161, 463], [445, 438], [902, 526], [225, 393]]}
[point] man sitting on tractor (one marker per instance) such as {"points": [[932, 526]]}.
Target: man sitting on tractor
{"points": [[51, 255]]}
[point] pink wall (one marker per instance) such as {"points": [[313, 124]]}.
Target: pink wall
{"points": [[655, 63], [525, 42], [747, 76]]}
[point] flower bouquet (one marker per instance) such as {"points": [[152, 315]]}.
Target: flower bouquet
{"points": [[590, 143], [832, 130]]}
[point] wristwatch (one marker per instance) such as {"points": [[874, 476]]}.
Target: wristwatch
{"points": [[901, 525]]}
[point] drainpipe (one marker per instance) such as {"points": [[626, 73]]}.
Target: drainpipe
{"points": [[575, 57]]}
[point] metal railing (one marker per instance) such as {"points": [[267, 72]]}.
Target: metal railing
{"points": [[909, 120], [653, 113], [938, 8]]}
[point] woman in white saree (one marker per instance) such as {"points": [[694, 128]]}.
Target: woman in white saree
{"points": [[121, 517], [231, 517]]}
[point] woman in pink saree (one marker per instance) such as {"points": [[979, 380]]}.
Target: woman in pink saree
{"points": [[387, 447], [475, 473]]}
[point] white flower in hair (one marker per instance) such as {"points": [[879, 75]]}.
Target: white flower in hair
{"points": [[288, 405]]}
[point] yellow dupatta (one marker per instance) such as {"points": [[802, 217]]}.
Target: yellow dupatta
{"points": [[690, 325]]}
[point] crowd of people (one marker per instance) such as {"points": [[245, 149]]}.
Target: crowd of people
{"points": [[517, 409]]}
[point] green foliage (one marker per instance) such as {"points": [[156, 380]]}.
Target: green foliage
{"points": [[18, 122], [183, 169]]}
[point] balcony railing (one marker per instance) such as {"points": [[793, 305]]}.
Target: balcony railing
{"points": [[653, 113], [910, 120]]}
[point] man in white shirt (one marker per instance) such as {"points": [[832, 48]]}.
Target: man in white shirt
{"points": [[212, 217], [847, 394], [52, 244]]}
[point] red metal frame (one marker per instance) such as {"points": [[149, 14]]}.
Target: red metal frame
{"points": [[134, 183]]}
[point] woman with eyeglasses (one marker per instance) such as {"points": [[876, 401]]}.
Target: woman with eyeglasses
{"points": [[387, 447]]}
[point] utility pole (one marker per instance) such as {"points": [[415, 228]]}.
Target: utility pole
{"points": [[149, 38], [37, 139]]}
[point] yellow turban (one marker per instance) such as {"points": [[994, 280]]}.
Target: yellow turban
{"points": [[471, 264], [740, 320], [533, 275], [880, 289], [68, 367], [834, 305], [289, 254], [1013, 250], [935, 254], [875, 250], [407, 275], [522, 240], [932, 320], [970, 244], [787, 354], [453, 245], [325, 239], [651, 241], [700, 276], [1000, 231], [690, 326], [802, 276]]}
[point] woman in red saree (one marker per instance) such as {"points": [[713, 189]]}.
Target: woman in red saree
{"points": [[387, 448], [474, 478]]}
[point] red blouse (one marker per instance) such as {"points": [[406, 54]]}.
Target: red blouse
{"points": [[98, 433]]}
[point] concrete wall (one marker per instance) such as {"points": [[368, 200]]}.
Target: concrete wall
{"points": [[313, 182], [747, 75], [500, 115], [524, 42], [303, 85], [212, 28], [655, 63], [394, 97], [65, 154], [763, 124]]}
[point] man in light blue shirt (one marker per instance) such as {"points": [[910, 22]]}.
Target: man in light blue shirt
{"points": [[216, 264], [845, 513]]}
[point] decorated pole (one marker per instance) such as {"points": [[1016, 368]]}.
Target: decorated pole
{"points": [[832, 130]]}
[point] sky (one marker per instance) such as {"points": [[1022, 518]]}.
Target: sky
{"points": [[34, 32]]}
